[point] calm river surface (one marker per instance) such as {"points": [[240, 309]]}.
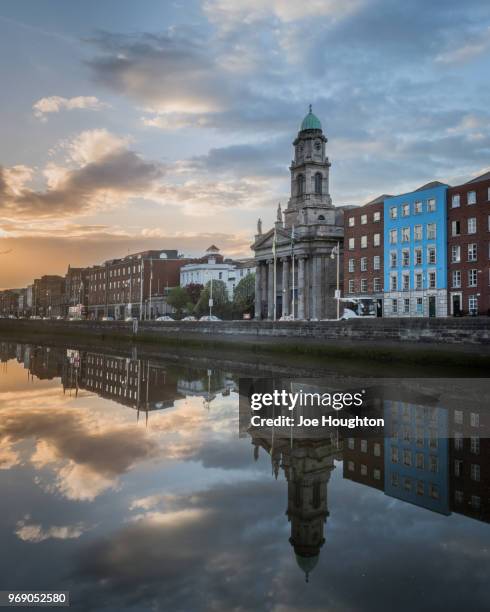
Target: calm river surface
{"points": [[123, 480]]}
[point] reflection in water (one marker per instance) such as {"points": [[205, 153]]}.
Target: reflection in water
{"points": [[429, 456], [307, 465], [187, 502], [142, 384]]}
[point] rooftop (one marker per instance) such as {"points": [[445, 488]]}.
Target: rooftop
{"points": [[482, 177], [431, 185]]}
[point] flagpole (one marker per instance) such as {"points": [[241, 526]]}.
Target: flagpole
{"points": [[292, 265], [275, 275], [338, 280], [151, 280]]}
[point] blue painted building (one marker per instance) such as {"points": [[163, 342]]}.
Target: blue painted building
{"points": [[415, 253], [416, 455]]}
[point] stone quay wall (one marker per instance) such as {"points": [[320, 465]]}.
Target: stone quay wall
{"points": [[467, 330]]}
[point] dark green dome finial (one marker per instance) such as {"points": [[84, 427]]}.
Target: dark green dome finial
{"points": [[311, 122]]}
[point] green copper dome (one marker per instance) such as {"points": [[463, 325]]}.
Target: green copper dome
{"points": [[306, 564], [311, 122]]}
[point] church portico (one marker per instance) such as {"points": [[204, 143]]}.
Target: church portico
{"points": [[309, 295], [296, 260]]}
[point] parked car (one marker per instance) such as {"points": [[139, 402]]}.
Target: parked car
{"points": [[209, 318], [189, 318], [107, 319], [164, 318], [35, 317], [130, 319]]}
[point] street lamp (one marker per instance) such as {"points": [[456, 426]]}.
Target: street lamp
{"points": [[336, 253], [210, 303]]}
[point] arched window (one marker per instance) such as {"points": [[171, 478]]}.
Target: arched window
{"points": [[301, 184], [321, 218], [318, 183]]}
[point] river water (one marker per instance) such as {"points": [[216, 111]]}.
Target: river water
{"points": [[123, 481]]}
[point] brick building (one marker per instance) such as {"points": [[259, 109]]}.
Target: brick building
{"points": [[468, 212], [76, 288], [139, 384], [133, 286], [364, 253], [469, 461], [48, 296], [9, 302], [363, 461]]}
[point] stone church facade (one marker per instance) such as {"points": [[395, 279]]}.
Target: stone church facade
{"points": [[306, 240]]}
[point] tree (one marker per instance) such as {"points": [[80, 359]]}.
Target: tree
{"points": [[244, 296], [221, 302], [194, 291], [178, 299]]}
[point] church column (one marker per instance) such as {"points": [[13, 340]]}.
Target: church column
{"points": [[270, 289], [263, 289], [285, 287], [315, 287], [258, 291], [320, 271], [301, 287]]}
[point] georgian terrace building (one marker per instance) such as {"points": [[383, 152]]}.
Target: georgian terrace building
{"points": [[415, 253], [468, 209], [133, 286], [364, 252]]}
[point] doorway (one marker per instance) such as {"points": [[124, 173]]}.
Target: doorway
{"points": [[432, 305], [456, 304]]}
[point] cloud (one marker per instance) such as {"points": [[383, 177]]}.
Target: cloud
{"points": [[55, 104], [251, 11], [172, 72], [479, 44], [194, 550], [185, 77], [33, 532], [101, 172], [87, 453]]}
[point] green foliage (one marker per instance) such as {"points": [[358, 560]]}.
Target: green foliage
{"points": [[244, 296], [221, 303], [194, 290], [178, 298]]}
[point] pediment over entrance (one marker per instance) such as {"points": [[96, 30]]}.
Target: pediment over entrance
{"points": [[264, 242]]}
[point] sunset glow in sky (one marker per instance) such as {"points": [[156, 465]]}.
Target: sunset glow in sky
{"points": [[130, 125]]}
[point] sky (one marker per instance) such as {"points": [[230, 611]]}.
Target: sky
{"points": [[131, 125]]}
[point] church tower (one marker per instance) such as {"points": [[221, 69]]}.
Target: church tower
{"points": [[296, 260], [310, 199]]}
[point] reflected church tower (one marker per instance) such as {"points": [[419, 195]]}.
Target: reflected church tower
{"points": [[307, 466]]}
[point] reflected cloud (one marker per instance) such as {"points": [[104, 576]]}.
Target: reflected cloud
{"points": [[34, 532]]}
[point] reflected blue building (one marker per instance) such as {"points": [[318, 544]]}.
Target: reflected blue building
{"points": [[417, 455]]}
